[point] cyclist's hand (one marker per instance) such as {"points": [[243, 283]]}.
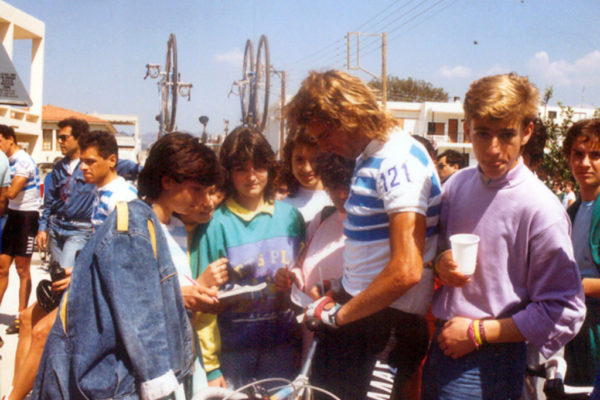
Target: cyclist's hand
{"points": [[218, 382], [454, 338], [325, 310], [446, 271], [215, 274], [62, 284], [41, 239], [284, 279]]}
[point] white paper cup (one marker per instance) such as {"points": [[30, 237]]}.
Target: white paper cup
{"points": [[464, 251]]}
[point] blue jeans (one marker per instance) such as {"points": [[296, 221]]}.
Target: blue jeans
{"points": [[493, 372], [66, 239]]}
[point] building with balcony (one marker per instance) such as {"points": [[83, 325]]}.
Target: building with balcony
{"points": [[443, 122]]}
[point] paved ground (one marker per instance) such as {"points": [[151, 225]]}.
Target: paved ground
{"points": [[8, 309]]}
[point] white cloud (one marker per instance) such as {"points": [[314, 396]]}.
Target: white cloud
{"points": [[233, 57], [496, 70], [457, 71], [581, 72]]}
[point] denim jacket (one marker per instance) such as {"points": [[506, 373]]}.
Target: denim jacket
{"points": [[122, 331]]}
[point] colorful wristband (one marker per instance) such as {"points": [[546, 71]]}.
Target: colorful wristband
{"points": [[472, 335], [476, 332], [482, 332]]}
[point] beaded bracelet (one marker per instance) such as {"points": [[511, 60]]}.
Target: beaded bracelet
{"points": [[482, 332], [472, 335]]}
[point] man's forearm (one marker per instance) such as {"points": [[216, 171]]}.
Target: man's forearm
{"points": [[382, 292]]}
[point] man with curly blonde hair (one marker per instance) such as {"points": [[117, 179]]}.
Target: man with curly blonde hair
{"points": [[526, 285], [377, 335]]}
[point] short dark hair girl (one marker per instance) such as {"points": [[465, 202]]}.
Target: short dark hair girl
{"points": [[181, 157]]}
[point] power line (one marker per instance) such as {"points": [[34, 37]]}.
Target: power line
{"points": [[365, 25], [412, 23], [339, 45]]}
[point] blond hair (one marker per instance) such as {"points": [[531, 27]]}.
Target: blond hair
{"points": [[502, 97], [339, 100]]}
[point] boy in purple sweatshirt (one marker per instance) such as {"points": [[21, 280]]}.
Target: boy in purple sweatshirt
{"points": [[526, 285]]}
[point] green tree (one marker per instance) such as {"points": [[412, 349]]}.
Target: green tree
{"points": [[410, 89], [555, 165]]}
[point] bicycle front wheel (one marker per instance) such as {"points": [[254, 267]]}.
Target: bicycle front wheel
{"points": [[170, 89], [247, 72], [262, 83]]}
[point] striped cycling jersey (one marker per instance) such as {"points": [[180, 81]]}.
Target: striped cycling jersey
{"points": [[107, 197], [29, 198], [390, 177]]}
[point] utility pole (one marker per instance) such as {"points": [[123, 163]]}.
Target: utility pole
{"points": [[282, 119], [383, 76]]}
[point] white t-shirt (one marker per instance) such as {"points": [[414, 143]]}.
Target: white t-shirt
{"points": [[566, 197], [390, 177], [107, 197], [179, 256], [309, 202], [29, 198]]}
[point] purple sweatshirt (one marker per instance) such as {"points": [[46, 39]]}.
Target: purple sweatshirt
{"points": [[525, 264]]}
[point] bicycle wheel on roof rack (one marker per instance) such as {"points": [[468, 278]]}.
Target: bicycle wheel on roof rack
{"points": [[170, 90], [262, 83], [247, 75]]}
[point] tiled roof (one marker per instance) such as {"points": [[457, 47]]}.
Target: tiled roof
{"points": [[54, 113]]}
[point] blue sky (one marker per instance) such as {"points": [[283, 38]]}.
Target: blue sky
{"points": [[96, 51]]}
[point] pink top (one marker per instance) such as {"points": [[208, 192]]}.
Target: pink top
{"points": [[325, 250]]}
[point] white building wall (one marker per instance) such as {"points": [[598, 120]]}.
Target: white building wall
{"points": [[17, 25]]}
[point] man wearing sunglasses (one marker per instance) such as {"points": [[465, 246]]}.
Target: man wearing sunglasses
{"points": [[65, 224]]}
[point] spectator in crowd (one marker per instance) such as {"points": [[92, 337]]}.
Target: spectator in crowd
{"points": [[581, 147], [305, 188], [322, 257], [65, 223], [568, 197], [258, 235], [99, 154], [448, 163], [526, 285], [376, 315], [4, 185], [21, 226], [99, 158], [533, 151], [187, 230], [128, 331]]}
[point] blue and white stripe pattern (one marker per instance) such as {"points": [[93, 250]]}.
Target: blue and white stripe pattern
{"points": [[177, 230], [390, 177], [29, 198], [108, 196]]}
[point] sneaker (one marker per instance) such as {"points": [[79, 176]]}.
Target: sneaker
{"points": [[13, 327]]}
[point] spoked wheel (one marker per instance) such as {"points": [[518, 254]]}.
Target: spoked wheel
{"points": [[246, 89], [262, 83], [170, 89]]}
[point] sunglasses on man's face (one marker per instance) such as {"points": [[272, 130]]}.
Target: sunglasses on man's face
{"points": [[63, 137]]}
